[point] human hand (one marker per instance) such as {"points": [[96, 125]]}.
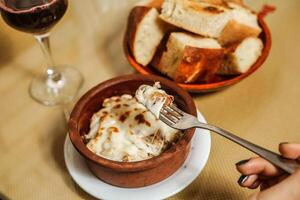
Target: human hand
{"points": [[273, 182]]}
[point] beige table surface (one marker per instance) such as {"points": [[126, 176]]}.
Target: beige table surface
{"points": [[264, 108]]}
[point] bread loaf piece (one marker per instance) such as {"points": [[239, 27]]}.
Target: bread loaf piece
{"points": [[243, 57], [144, 33], [197, 17], [199, 65], [211, 20], [188, 57], [242, 25]]}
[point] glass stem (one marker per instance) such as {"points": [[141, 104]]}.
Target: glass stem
{"points": [[66, 112], [44, 43]]}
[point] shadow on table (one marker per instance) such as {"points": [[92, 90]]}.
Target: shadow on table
{"points": [[57, 151], [3, 197], [6, 53]]}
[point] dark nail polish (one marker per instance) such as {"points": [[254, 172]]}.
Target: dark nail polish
{"points": [[242, 179], [255, 184], [242, 162]]}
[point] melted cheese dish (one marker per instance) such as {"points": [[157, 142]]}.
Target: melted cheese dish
{"points": [[125, 130]]}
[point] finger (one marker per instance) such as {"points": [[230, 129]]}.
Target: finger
{"points": [[287, 188], [257, 166], [247, 181], [290, 150]]}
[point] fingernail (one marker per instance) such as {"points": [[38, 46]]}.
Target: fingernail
{"points": [[242, 162], [242, 179]]}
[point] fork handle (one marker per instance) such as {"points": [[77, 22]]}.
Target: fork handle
{"points": [[287, 165]]}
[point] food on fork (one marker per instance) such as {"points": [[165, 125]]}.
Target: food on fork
{"points": [[191, 41], [153, 98], [125, 130]]}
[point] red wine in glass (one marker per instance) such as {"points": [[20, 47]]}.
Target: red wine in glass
{"points": [[33, 16], [58, 85]]}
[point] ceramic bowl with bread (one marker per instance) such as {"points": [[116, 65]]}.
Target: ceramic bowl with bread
{"points": [[203, 45], [121, 148]]}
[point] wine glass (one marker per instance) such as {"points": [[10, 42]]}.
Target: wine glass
{"points": [[58, 84]]}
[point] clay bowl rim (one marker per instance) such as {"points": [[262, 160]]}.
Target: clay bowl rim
{"points": [[76, 139], [265, 36]]}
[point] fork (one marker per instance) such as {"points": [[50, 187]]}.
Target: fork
{"points": [[178, 119]]}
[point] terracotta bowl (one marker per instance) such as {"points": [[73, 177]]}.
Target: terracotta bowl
{"points": [[224, 81], [129, 174]]}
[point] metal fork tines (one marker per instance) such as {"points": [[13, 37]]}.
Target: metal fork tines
{"points": [[178, 119], [171, 114]]}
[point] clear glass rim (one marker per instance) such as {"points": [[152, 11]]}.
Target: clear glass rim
{"points": [[8, 9]]}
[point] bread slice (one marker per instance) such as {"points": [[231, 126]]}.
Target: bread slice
{"points": [[242, 25], [188, 57], [145, 31], [197, 17], [243, 57], [209, 19], [236, 32]]}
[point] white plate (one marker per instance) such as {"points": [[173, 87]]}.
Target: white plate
{"points": [[178, 181]]}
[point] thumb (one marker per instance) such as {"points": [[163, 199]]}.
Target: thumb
{"points": [[288, 189], [290, 150]]}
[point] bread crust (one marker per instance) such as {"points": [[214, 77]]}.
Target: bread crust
{"points": [[156, 4], [198, 65]]}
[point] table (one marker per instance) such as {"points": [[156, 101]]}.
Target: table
{"points": [[263, 108]]}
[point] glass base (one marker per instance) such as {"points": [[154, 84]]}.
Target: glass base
{"points": [[56, 87]]}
